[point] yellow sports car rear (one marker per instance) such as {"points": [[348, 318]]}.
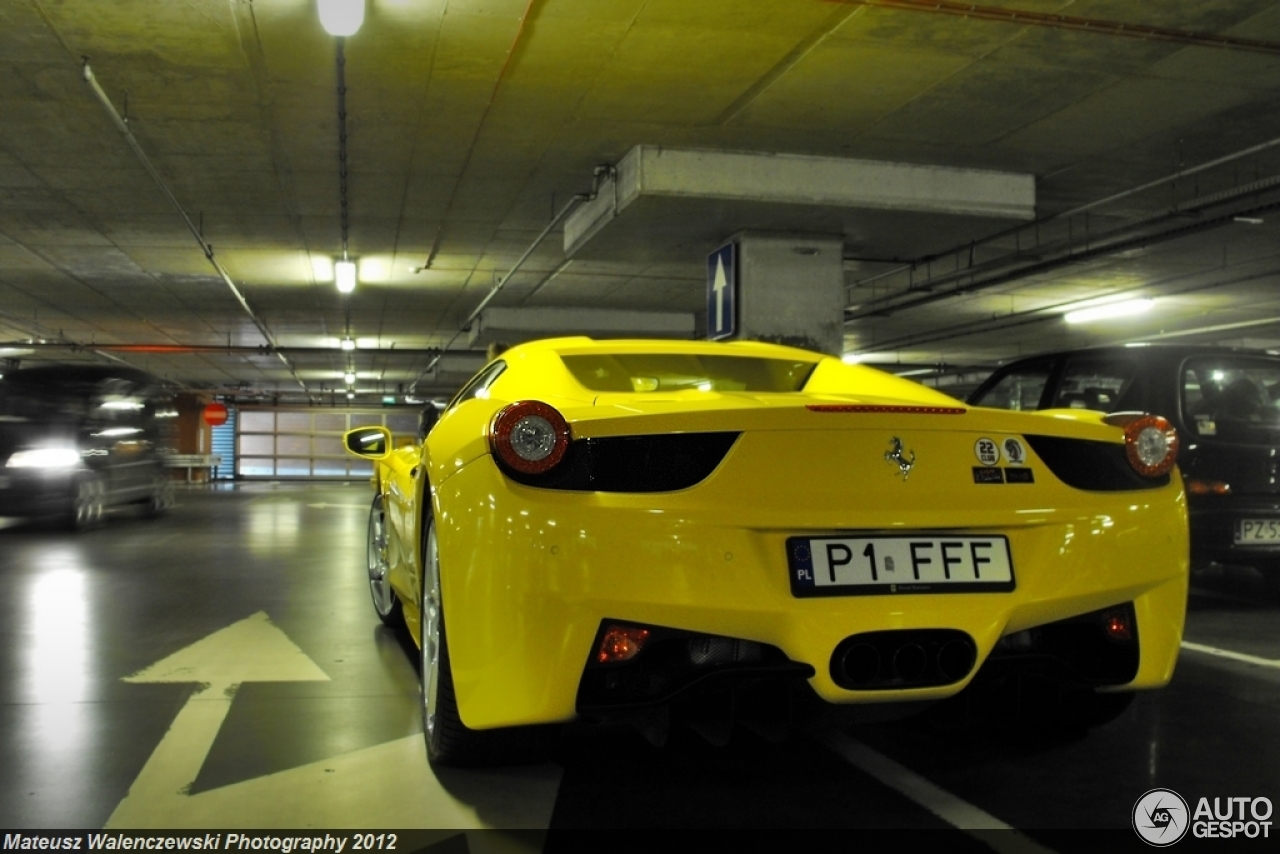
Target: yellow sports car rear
{"points": [[624, 529]]}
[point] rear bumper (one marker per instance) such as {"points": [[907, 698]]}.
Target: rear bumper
{"points": [[1213, 523], [529, 575]]}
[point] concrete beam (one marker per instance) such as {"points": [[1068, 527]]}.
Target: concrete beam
{"points": [[649, 171]]}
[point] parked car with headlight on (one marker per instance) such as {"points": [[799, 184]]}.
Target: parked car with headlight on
{"points": [[77, 440], [656, 531], [1225, 404]]}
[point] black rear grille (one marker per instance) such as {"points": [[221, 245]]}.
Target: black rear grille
{"points": [[1078, 647], [676, 663], [662, 462], [1089, 465]]}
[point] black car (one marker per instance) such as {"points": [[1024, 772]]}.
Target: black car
{"points": [[76, 440], [1225, 404]]}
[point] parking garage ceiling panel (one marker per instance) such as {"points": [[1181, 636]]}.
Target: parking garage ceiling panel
{"points": [[471, 124]]}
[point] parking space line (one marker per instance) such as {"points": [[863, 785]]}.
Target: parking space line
{"points": [[1231, 654], [955, 811]]}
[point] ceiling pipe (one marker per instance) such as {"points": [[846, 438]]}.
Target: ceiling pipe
{"points": [[1047, 313], [1099, 26], [225, 350], [1085, 208], [122, 125], [967, 280], [598, 176], [1109, 243], [517, 46]]}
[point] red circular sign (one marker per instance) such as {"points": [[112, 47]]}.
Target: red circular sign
{"points": [[215, 414]]}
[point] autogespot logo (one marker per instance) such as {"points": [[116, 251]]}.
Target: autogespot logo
{"points": [[1160, 817]]}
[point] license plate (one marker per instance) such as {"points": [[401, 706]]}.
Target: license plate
{"points": [[1257, 531], [876, 565]]}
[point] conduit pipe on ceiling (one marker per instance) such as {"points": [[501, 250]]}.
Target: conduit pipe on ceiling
{"points": [[1099, 26], [1085, 208], [1047, 311], [924, 293], [598, 175], [967, 281], [123, 126], [225, 349]]}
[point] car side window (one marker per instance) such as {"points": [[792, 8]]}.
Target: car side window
{"points": [[1094, 383], [1232, 398], [479, 384], [1020, 389]]}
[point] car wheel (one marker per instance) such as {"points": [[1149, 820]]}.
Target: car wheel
{"points": [[450, 741], [385, 602], [88, 503], [1100, 709], [1270, 572], [161, 498]]}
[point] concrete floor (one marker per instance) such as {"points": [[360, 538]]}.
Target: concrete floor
{"points": [[222, 667]]}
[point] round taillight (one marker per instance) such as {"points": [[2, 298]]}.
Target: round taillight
{"points": [[1151, 443], [529, 436]]}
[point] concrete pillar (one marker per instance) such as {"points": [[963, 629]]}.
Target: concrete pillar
{"points": [[791, 290]]}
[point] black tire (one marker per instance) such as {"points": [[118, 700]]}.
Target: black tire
{"points": [[449, 741], [1025, 703], [386, 604], [1270, 572], [161, 499], [1105, 708], [1075, 710], [1272, 580], [88, 503]]}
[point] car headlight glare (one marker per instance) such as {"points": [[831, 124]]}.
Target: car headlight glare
{"points": [[44, 458], [530, 436]]}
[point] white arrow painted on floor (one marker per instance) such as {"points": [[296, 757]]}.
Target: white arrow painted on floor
{"points": [[388, 785], [252, 650]]}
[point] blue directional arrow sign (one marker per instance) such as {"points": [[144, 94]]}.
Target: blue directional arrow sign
{"points": [[722, 292]]}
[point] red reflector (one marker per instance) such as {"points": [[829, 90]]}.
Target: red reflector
{"points": [[1208, 487], [867, 407], [1117, 626], [621, 643]]}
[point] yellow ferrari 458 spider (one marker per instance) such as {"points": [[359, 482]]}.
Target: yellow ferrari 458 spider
{"points": [[636, 530]]}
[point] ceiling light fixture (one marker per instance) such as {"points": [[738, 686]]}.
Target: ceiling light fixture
{"points": [[344, 276], [348, 344], [341, 17], [349, 377], [1110, 310]]}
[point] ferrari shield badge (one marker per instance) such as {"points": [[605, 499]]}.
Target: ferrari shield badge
{"points": [[895, 455]]}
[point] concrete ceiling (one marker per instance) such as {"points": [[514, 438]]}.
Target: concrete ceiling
{"points": [[470, 123]]}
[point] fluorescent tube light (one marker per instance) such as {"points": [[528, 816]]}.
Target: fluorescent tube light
{"points": [[1107, 311], [344, 275]]}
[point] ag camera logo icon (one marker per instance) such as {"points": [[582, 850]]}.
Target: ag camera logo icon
{"points": [[1160, 817]]}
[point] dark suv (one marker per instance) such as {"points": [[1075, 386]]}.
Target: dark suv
{"points": [[76, 440], [1225, 404]]}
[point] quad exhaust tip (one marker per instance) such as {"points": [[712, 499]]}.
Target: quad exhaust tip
{"points": [[905, 658]]}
